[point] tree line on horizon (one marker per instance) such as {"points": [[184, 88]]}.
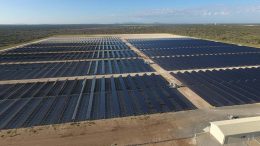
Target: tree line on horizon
{"points": [[241, 34]]}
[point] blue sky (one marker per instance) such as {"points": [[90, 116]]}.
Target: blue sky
{"points": [[128, 11]]}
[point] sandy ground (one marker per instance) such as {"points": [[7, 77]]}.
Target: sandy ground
{"points": [[176, 129], [149, 36], [125, 36]]}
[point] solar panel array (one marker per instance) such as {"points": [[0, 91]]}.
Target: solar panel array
{"points": [[225, 87], [78, 78], [182, 54], [127, 85], [218, 87], [56, 102]]}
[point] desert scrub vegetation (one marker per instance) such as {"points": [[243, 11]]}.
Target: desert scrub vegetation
{"points": [[234, 33]]}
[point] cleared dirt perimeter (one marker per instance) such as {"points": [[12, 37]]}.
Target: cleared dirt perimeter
{"points": [[177, 129]]}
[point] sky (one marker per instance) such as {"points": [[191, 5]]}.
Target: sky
{"points": [[128, 11]]}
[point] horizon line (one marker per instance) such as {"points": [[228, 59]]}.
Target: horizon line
{"points": [[130, 23]]}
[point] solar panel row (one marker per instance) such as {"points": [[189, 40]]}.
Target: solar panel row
{"points": [[66, 69], [65, 56], [199, 50], [35, 49]]}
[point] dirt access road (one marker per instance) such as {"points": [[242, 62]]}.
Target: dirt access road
{"points": [[173, 129]]}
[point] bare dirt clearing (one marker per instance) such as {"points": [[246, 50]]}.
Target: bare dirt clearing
{"points": [[158, 129]]}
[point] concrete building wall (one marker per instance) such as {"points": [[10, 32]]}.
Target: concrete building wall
{"points": [[236, 130], [216, 132]]}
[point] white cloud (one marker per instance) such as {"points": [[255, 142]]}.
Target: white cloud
{"points": [[206, 11]]}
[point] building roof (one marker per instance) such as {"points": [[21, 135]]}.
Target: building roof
{"points": [[238, 126]]}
